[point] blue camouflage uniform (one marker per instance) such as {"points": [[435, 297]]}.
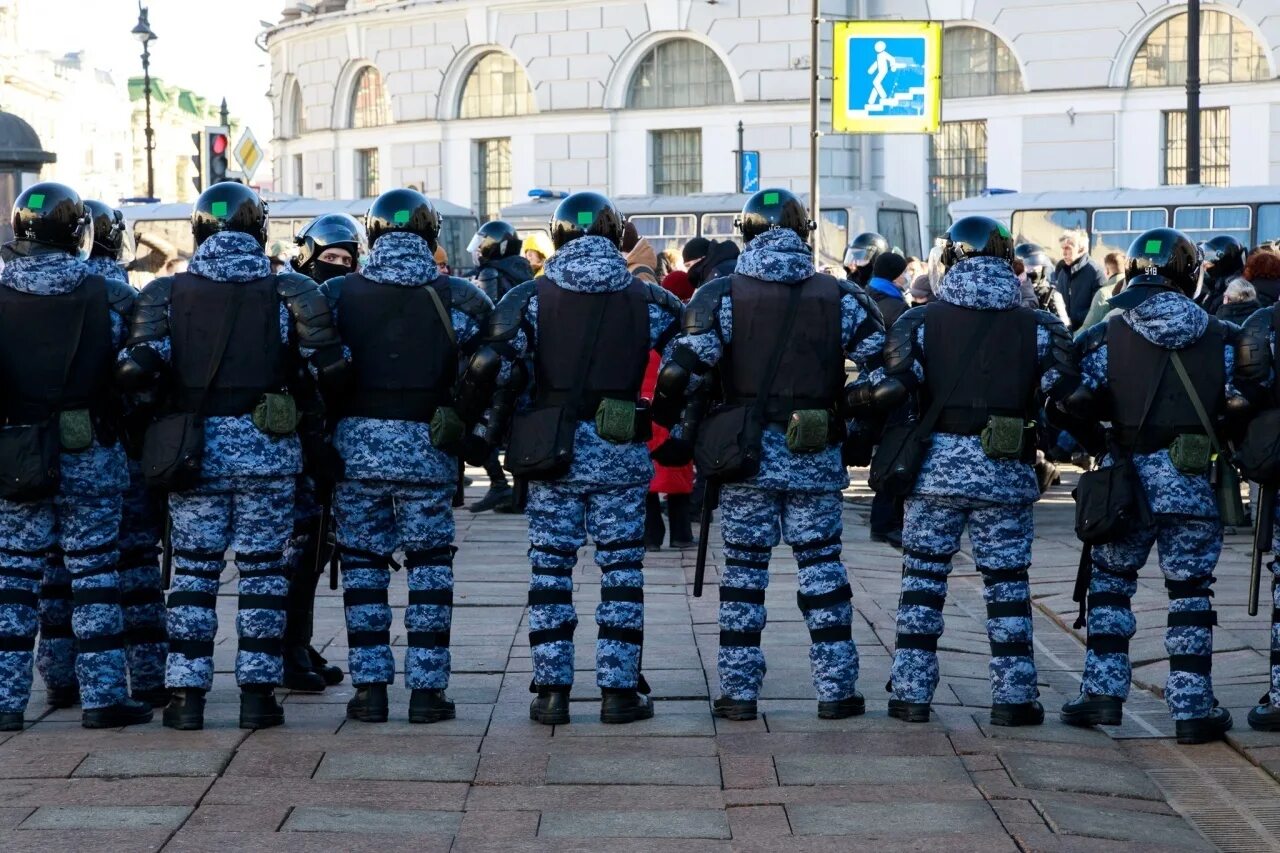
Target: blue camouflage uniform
{"points": [[959, 486], [396, 494], [794, 497], [243, 500], [602, 495], [1187, 533], [68, 543]]}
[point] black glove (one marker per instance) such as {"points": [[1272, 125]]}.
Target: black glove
{"points": [[673, 453], [858, 449], [475, 450], [321, 462]]}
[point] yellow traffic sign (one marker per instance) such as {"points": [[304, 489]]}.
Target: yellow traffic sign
{"points": [[888, 77], [249, 154]]}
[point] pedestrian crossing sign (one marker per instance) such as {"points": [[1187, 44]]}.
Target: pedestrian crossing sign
{"points": [[887, 77]]}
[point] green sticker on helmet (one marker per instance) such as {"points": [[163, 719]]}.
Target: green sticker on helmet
{"points": [[402, 216], [1153, 247], [586, 217], [36, 201], [218, 209], [771, 199], [1004, 232]]}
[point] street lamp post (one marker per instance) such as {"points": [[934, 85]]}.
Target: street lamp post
{"points": [[142, 32]]}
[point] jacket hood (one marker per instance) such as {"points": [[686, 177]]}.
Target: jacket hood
{"points": [[1169, 320], [588, 265], [643, 255], [777, 255], [44, 275], [107, 268], [402, 259], [230, 256], [721, 259], [985, 284]]}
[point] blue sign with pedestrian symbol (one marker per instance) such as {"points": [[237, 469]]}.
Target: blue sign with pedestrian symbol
{"points": [[750, 164], [886, 77]]}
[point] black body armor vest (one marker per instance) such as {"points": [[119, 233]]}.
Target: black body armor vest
{"points": [[811, 373], [1132, 365], [620, 356], [999, 380], [256, 359], [37, 336], [404, 362]]}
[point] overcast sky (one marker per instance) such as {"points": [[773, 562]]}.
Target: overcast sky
{"points": [[203, 45]]}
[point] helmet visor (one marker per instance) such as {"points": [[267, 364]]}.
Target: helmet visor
{"points": [[85, 232], [127, 250], [937, 270], [856, 256]]}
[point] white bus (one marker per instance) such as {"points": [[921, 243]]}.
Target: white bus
{"points": [[669, 221], [1114, 218]]}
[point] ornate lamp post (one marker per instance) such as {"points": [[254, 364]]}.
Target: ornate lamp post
{"points": [[142, 32]]}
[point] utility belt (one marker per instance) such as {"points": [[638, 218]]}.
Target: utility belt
{"points": [[1189, 444], [811, 424], [1006, 434], [76, 427], [415, 405]]}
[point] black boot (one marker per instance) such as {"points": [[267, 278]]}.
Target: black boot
{"points": [[126, 712], [909, 712], [156, 697], [681, 521], [551, 706], [1093, 709], [1210, 727], [298, 674], [1265, 717], [331, 673], [654, 530], [494, 498], [63, 697], [185, 710], [1015, 714], [739, 710], [839, 709], [11, 721], [369, 705], [624, 705], [259, 708], [430, 706]]}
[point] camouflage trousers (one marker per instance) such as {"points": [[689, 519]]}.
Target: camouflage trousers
{"points": [[753, 521], [142, 599], [69, 544], [253, 517], [1188, 550], [560, 517], [375, 519], [1001, 535]]}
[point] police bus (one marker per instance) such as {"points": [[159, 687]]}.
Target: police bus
{"points": [[1114, 218], [670, 221], [164, 229]]}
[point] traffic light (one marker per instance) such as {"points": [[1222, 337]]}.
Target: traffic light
{"points": [[197, 139], [217, 147]]}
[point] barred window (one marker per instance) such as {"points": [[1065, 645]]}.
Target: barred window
{"points": [[493, 176], [1215, 147], [1229, 53], [679, 73], [977, 63], [370, 105], [677, 162], [957, 168], [496, 86], [367, 172]]}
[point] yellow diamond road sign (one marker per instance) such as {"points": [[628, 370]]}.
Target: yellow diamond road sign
{"points": [[249, 154]]}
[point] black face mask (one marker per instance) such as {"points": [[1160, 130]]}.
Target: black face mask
{"points": [[322, 271]]}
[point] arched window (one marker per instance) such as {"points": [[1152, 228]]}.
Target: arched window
{"points": [[370, 106], [1229, 53], [297, 122], [496, 86], [679, 73], [977, 63]]}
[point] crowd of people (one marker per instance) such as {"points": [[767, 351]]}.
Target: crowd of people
{"points": [[316, 410]]}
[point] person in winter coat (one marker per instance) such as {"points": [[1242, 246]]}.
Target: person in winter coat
{"points": [[536, 248], [1262, 270], [720, 261], [1113, 264], [1239, 302], [887, 285], [1076, 276], [674, 481], [642, 260]]}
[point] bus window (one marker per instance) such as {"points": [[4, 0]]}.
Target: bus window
{"points": [[834, 234], [666, 231], [1205, 223], [719, 226], [1114, 230], [889, 224], [911, 225], [1268, 223], [455, 234], [1044, 227]]}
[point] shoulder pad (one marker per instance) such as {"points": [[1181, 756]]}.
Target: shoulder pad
{"points": [[703, 311], [468, 298], [309, 308], [1092, 339], [900, 341], [510, 311], [486, 274], [121, 297], [291, 284], [1048, 320], [656, 294], [332, 289], [1229, 331], [151, 311], [849, 288], [158, 291]]}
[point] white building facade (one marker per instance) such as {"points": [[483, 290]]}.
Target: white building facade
{"points": [[479, 101]]}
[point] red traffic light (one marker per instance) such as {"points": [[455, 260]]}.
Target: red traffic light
{"points": [[218, 143]]}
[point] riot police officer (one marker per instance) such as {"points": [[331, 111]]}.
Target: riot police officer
{"points": [[778, 334], [587, 326], [1038, 268], [860, 257], [330, 246], [62, 469], [976, 359], [1223, 263], [398, 433], [1131, 379], [220, 343]]}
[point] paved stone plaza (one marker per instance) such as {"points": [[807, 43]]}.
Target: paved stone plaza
{"points": [[491, 780]]}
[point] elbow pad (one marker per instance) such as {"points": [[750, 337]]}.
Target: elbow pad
{"points": [[863, 399], [668, 398], [141, 370], [478, 383]]}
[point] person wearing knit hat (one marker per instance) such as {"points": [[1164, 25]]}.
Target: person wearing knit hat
{"points": [[921, 292], [887, 284]]}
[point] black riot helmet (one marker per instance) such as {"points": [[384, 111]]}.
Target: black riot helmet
{"points": [[495, 240], [1035, 259], [976, 237], [331, 231], [229, 206], [586, 214], [403, 210], [1161, 258], [864, 250], [774, 208], [49, 216], [1226, 254], [110, 233]]}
